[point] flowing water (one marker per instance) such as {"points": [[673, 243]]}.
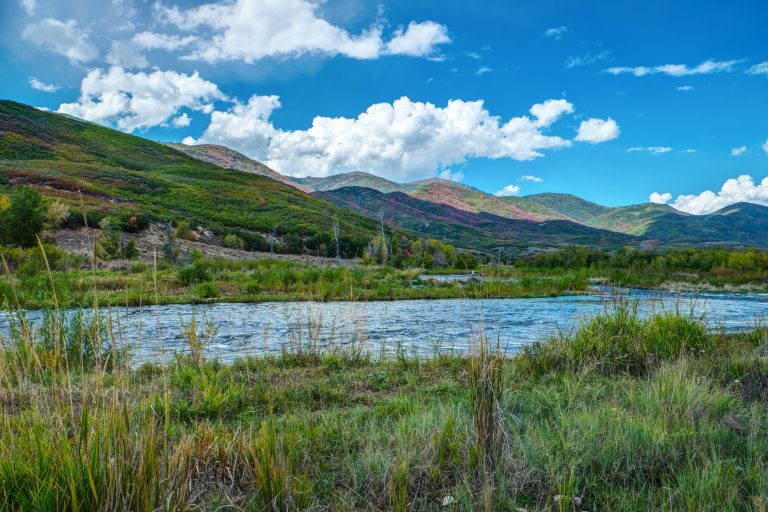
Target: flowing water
{"points": [[234, 330]]}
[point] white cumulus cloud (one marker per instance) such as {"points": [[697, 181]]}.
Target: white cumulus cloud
{"points": [[408, 139], [596, 130], [61, 37], [132, 101], [181, 121], [657, 198], [738, 151], [42, 86], [250, 30], [419, 39], [528, 177], [765, 146], [706, 67], [734, 190], [550, 111], [245, 127], [152, 41], [401, 140], [509, 190]]}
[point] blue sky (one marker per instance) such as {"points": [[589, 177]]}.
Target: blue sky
{"points": [[652, 98]]}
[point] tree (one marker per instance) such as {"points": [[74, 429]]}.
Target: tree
{"points": [[110, 245], [170, 252], [24, 218], [336, 238]]}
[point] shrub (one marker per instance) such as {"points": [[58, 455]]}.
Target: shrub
{"points": [[194, 273], [184, 230], [23, 219], [234, 242], [206, 290], [56, 215]]}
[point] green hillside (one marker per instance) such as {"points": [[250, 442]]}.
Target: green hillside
{"points": [[111, 173], [738, 224], [572, 207], [634, 219], [353, 179]]}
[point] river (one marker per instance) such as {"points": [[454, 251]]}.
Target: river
{"points": [[154, 333]]}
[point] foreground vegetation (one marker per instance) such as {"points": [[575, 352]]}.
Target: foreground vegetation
{"points": [[624, 414]]}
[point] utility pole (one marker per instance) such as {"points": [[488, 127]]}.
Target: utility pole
{"points": [[383, 237], [336, 236]]}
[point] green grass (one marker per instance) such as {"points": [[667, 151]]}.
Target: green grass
{"points": [[204, 280], [625, 414]]}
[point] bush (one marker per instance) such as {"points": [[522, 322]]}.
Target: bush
{"points": [[195, 273], [184, 230], [234, 242], [23, 219], [206, 290]]}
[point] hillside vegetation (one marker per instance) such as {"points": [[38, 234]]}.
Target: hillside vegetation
{"points": [[478, 230], [106, 172]]}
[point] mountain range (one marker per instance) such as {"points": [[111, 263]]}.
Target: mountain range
{"points": [[97, 168], [650, 224]]}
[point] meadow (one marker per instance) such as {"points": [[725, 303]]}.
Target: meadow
{"points": [[625, 413]]}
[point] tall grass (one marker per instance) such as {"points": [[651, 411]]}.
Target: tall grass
{"points": [[625, 413], [621, 341]]}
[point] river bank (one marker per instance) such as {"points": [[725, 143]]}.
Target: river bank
{"points": [[423, 326], [624, 414]]}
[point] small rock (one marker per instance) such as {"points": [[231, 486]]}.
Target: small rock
{"points": [[448, 501]]}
